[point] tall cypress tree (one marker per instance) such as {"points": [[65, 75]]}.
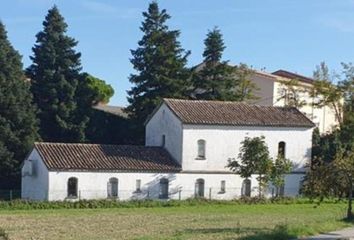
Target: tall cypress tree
{"points": [[160, 62], [18, 124], [55, 73], [213, 79]]}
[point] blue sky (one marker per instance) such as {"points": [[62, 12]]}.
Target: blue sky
{"points": [[274, 34]]}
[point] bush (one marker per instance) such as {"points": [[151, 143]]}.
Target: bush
{"points": [[106, 203]]}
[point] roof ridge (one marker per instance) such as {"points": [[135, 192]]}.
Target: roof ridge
{"points": [[227, 102], [93, 144]]}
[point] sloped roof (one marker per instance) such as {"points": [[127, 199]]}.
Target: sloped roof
{"points": [[115, 110], [291, 75], [100, 157], [236, 114]]}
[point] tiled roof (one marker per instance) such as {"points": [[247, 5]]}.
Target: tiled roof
{"points": [[99, 157], [291, 75], [115, 110], [236, 114]]}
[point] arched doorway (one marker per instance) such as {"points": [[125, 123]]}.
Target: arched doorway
{"points": [[112, 188], [246, 188], [199, 187]]}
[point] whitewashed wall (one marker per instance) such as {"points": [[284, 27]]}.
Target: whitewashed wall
{"points": [[44, 185], [224, 142], [181, 185], [164, 122], [34, 183]]}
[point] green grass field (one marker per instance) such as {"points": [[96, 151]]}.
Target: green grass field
{"points": [[269, 221]]}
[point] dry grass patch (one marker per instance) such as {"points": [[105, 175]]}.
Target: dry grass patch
{"points": [[189, 222]]}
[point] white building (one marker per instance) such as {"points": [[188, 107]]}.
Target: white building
{"points": [[188, 145], [273, 92]]}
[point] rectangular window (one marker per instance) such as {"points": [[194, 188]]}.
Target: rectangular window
{"points": [[163, 140], [223, 186], [138, 185]]}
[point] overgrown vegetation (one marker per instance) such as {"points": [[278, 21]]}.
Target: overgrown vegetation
{"points": [[83, 204]]}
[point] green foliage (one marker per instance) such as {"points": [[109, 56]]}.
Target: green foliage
{"points": [[243, 88], [215, 79], [280, 167], [253, 159], [55, 74], [106, 203], [160, 63], [326, 93], [291, 92], [18, 124], [332, 179], [92, 90], [106, 128]]}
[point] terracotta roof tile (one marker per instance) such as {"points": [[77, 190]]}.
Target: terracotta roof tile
{"points": [[236, 113], [99, 157]]}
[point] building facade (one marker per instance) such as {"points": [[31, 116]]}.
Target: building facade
{"points": [[188, 146], [273, 92]]}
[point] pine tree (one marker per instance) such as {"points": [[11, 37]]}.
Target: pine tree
{"points": [[213, 79], [18, 124], [160, 62], [55, 73]]}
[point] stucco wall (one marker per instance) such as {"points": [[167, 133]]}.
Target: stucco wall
{"points": [[181, 185], [264, 91], [34, 186], [269, 94], [164, 122], [224, 142], [323, 117]]}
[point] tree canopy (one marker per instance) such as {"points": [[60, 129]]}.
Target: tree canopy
{"points": [[18, 123], [54, 74], [254, 158], [160, 64]]}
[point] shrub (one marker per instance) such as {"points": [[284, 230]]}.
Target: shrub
{"points": [[108, 203]]}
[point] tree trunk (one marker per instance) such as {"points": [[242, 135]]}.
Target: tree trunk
{"points": [[350, 199]]}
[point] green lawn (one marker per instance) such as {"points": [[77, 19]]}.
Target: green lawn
{"points": [[271, 221]]}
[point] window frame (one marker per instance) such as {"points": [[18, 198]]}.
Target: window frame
{"points": [[163, 185], [244, 191], [282, 149], [138, 185], [222, 186], [199, 191], [111, 181], [76, 190], [201, 147]]}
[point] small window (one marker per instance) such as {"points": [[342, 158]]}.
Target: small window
{"points": [[163, 140], [138, 185], [223, 186], [30, 167], [201, 149], [199, 188], [163, 188], [112, 188], [246, 188], [72, 187], [281, 149]]}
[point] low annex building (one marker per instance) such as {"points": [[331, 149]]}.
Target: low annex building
{"points": [[188, 145]]}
